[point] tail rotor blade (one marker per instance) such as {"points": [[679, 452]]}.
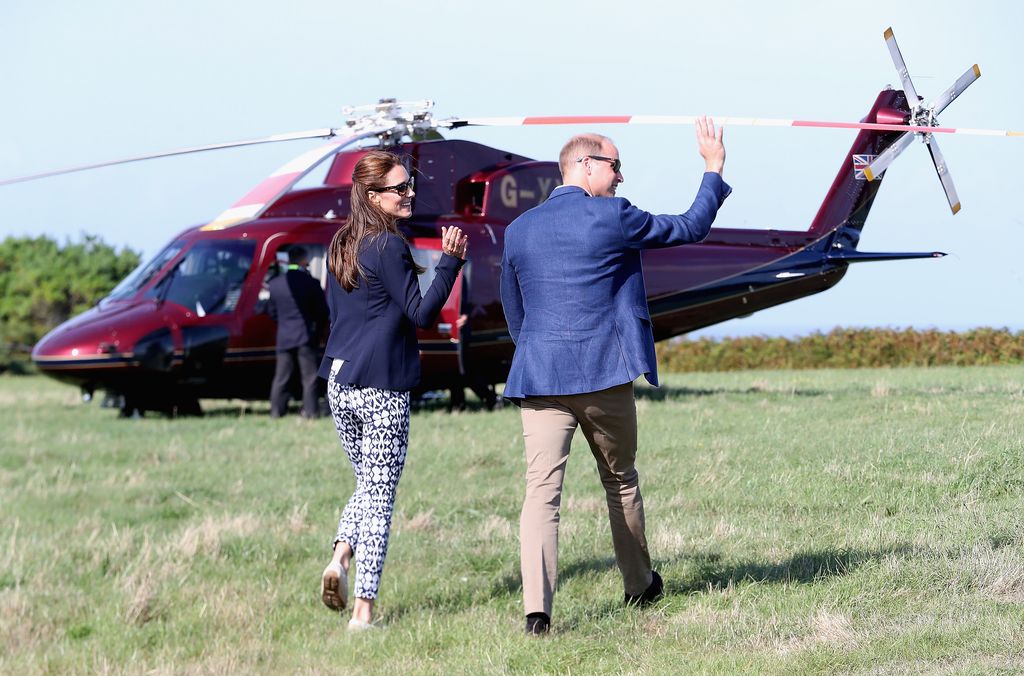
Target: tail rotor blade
{"points": [[882, 162], [901, 69], [943, 172], [313, 133], [962, 83]]}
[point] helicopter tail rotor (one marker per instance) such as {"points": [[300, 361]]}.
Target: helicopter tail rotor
{"points": [[923, 117]]}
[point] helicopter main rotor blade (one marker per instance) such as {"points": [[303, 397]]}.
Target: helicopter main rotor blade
{"points": [[294, 136], [262, 197], [957, 88], [721, 121], [882, 162], [913, 100], [940, 168]]}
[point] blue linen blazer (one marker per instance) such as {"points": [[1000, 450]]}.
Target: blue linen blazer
{"points": [[573, 292], [373, 327]]}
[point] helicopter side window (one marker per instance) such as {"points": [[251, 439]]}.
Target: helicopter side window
{"points": [[426, 258], [209, 279], [317, 254]]}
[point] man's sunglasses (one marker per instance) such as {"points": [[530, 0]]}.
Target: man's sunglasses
{"points": [[402, 189], [616, 163]]}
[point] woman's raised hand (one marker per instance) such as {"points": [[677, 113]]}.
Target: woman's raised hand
{"points": [[453, 242]]}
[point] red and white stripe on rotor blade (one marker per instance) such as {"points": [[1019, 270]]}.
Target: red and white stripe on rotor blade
{"points": [[721, 121], [255, 202]]}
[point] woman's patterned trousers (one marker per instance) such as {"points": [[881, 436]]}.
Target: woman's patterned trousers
{"points": [[374, 428]]}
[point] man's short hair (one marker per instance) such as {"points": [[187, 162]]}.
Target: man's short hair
{"points": [[297, 255], [579, 146]]}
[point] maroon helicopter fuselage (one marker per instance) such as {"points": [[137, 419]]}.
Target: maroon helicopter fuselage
{"points": [[190, 324]]}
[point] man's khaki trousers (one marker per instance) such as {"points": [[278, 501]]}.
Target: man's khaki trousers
{"points": [[608, 421]]}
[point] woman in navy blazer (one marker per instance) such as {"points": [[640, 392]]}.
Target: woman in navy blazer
{"points": [[372, 361]]}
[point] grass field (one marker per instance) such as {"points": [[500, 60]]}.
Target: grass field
{"points": [[804, 521]]}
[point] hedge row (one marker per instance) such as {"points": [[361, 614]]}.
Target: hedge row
{"points": [[845, 348]]}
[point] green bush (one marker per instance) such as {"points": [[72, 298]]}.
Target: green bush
{"points": [[43, 284], [845, 348]]}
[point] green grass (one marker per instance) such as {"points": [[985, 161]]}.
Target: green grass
{"points": [[804, 521]]}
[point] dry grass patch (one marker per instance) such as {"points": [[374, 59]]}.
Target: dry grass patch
{"points": [[233, 605], [205, 537], [706, 617], [297, 522], [144, 578], [724, 529], [129, 478], [12, 396], [143, 599], [20, 625], [825, 627], [574, 504], [997, 573], [496, 527], [833, 628], [421, 522], [668, 540], [21, 435]]}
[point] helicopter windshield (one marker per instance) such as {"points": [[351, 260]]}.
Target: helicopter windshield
{"points": [[209, 278], [141, 275]]}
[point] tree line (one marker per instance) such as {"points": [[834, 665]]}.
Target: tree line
{"points": [[44, 283]]}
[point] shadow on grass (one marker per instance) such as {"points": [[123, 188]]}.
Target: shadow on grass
{"points": [[663, 393], [712, 573], [705, 572]]}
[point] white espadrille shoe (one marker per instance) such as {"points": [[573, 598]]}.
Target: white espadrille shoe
{"points": [[355, 626], [334, 587]]}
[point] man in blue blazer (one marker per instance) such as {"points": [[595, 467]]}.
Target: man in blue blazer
{"points": [[573, 292]]}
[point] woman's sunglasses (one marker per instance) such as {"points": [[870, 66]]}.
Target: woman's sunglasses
{"points": [[402, 189]]}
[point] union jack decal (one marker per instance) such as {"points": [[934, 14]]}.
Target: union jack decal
{"points": [[860, 163]]}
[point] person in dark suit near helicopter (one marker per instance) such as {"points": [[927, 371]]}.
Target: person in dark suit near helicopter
{"points": [[298, 306], [573, 293]]}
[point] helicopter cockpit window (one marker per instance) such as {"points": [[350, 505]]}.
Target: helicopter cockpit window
{"points": [[209, 279], [141, 275]]}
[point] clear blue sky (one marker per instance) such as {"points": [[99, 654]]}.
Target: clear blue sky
{"points": [[90, 81]]}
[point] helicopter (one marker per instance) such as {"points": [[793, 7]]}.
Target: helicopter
{"points": [[189, 324]]}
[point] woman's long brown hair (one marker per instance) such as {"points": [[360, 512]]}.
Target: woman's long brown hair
{"points": [[365, 222]]}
